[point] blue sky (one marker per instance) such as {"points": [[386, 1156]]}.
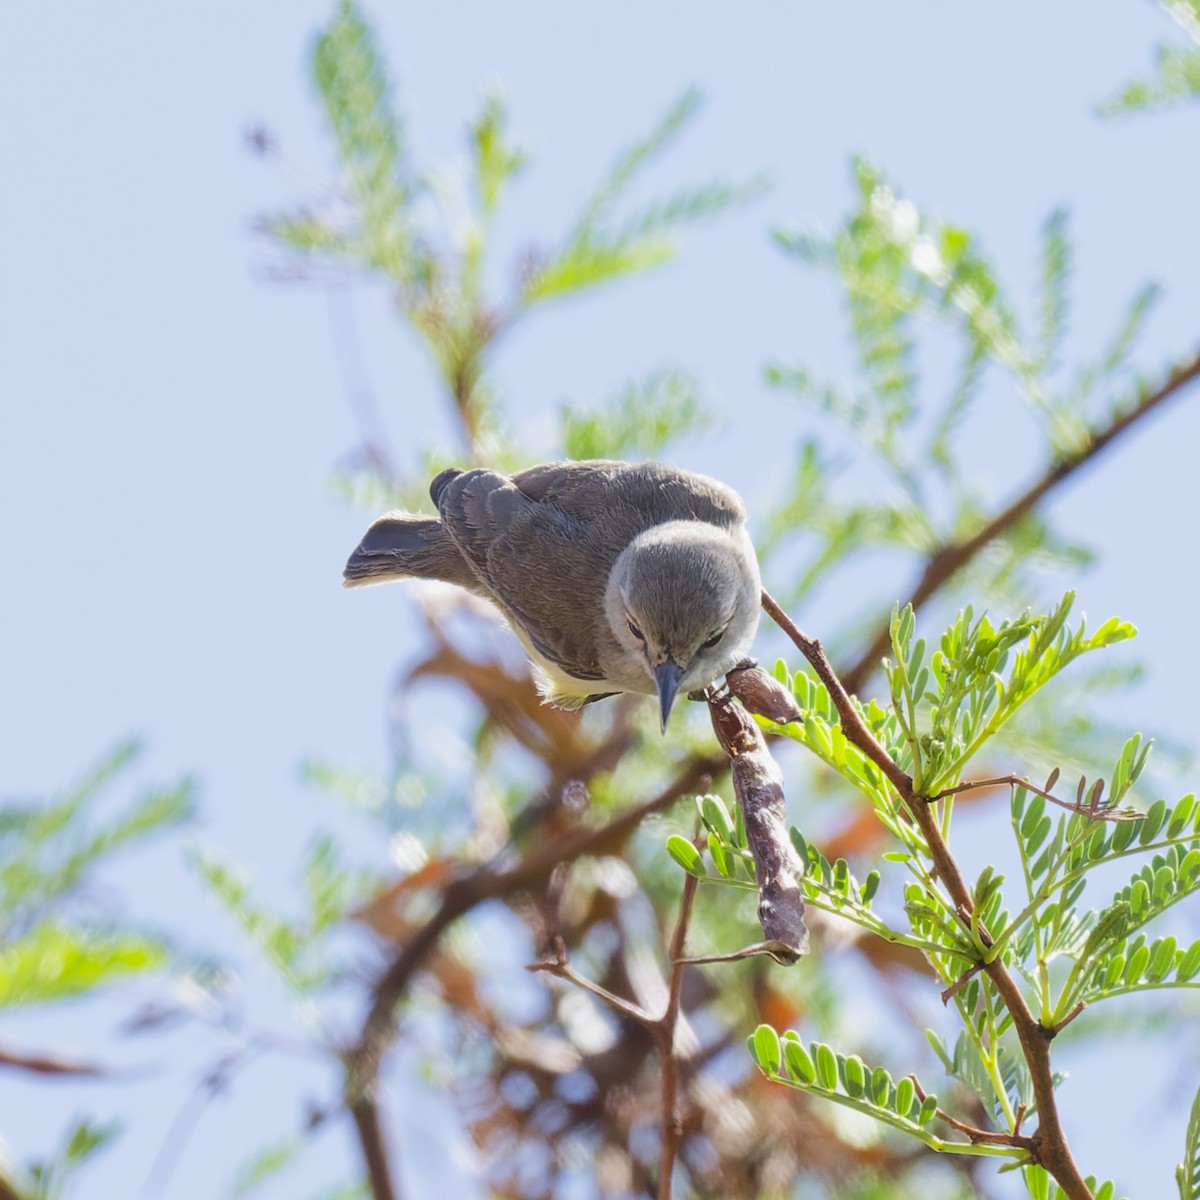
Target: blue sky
{"points": [[169, 415]]}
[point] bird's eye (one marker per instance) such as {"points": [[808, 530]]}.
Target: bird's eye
{"points": [[712, 641], [637, 633]]}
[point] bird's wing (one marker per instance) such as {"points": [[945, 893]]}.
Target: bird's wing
{"points": [[633, 496], [400, 545], [537, 561]]}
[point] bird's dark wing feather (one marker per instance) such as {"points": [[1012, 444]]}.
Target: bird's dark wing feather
{"points": [[634, 495], [401, 545], [536, 562]]}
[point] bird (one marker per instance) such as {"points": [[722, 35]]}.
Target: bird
{"points": [[615, 576]]}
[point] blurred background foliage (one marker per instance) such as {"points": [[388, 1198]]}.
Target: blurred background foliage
{"points": [[557, 1095]]}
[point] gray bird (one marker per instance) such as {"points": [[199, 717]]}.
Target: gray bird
{"points": [[616, 577]]}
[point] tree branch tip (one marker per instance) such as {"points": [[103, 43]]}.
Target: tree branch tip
{"points": [[784, 955], [1054, 1030], [961, 982]]}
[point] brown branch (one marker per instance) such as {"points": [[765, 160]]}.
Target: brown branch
{"points": [[662, 1027], [961, 982], [981, 1137], [1061, 1025], [370, 1139], [561, 968], [469, 889], [52, 1064], [671, 1122], [852, 724], [1098, 812], [1048, 1146], [947, 561]]}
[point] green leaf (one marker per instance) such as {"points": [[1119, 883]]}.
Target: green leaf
{"points": [[1038, 1182], [855, 1076], [827, 1067], [766, 1049], [496, 159], [85, 1139], [1176, 79], [1189, 964], [721, 860], [639, 421], [53, 962], [597, 251], [1187, 1174], [1152, 822], [1181, 815], [353, 83], [265, 1165], [686, 855], [796, 1058], [1056, 274], [282, 943], [47, 849]]}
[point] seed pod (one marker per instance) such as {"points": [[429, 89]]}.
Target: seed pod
{"points": [[758, 786], [764, 694]]}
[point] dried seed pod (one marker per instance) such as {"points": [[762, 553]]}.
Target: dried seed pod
{"points": [[758, 786], [764, 694]]}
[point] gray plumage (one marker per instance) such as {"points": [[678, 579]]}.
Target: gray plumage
{"points": [[616, 577]]}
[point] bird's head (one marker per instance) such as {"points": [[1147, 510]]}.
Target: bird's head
{"points": [[684, 598]]}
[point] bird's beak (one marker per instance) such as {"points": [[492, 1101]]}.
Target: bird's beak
{"points": [[668, 676]]}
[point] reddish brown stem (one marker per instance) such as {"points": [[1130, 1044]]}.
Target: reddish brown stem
{"points": [[370, 1138], [947, 561], [1048, 1146], [468, 890], [665, 1029], [52, 1064], [662, 1027]]}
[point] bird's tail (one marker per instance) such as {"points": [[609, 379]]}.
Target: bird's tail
{"points": [[401, 546]]}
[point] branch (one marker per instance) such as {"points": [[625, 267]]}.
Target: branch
{"points": [[1048, 1145], [370, 1139], [662, 1027], [946, 562], [463, 893], [560, 968], [671, 1125], [1093, 809], [52, 1064]]}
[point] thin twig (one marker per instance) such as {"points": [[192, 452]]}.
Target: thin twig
{"points": [[1097, 812], [1061, 1025], [974, 1133], [560, 968], [462, 894], [947, 561], [672, 1129], [662, 1027], [53, 1064], [986, 1136], [774, 949], [961, 982], [852, 724], [1048, 1146]]}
